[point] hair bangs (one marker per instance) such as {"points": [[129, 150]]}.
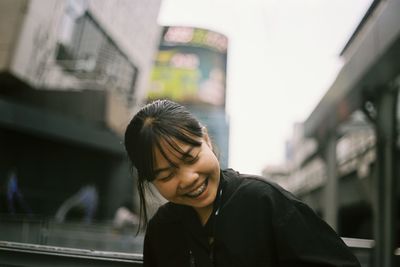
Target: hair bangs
{"points": [[184, 134], [170, 137], [172, 145]]}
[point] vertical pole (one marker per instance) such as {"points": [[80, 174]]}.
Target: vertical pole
{"points": [[384, 213], [331, 186]]}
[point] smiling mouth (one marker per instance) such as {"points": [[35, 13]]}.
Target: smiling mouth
{"points": [[197, 192]]}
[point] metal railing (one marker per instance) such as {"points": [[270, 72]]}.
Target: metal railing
{"points": [[30, 255], [95, 236]]}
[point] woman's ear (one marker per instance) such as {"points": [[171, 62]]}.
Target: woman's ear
{"points": [[206, 137]]}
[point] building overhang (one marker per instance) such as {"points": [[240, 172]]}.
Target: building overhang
{"points": [[20, 116], [374, 63], [32, 120]]}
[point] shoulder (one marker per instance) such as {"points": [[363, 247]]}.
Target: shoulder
{"points": [[163, 225], [167, 213], [256, 192], [256, 185], [260, 193]]}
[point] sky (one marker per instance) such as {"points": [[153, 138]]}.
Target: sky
{"points": [[282, 57]]}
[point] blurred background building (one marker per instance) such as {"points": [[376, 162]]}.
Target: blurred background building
{"points": [[71, 75], [344, 159]]}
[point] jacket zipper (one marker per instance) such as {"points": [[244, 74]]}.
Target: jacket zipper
{"points": [[192, 262]]}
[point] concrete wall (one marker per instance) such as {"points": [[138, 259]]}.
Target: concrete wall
{"points": [[11, 17]]}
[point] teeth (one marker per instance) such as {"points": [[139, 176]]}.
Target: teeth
{"points": [[198, 191]]}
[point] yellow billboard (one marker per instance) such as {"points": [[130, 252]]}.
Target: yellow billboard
{"points": [[190, 67]]}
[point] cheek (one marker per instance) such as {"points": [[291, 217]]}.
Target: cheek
{"points": [[167, 190], [212, 161]]}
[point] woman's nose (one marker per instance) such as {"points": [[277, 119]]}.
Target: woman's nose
{"points": [[187, 178]]}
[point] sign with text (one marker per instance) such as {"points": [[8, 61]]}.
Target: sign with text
{"points": [[190, 67]]}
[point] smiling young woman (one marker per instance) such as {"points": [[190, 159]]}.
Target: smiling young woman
{"points": [[217, 217], [187, 174]]}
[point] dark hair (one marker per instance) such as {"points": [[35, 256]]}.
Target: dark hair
{"points": [[161, 120]]}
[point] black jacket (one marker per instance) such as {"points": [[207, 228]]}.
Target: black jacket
{"points": [[258, 224]]}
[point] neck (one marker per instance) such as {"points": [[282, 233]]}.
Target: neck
{"points": [[204, 213]]}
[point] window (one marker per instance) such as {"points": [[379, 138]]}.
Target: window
{"points": [[88, 53]]}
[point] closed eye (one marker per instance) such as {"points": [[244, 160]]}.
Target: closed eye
{"points": [[192, 160], [167, 178]]}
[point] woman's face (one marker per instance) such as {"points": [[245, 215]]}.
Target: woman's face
{"points": [[194, 179]]}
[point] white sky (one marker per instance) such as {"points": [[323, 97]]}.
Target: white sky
{"points": [[282, 57]]}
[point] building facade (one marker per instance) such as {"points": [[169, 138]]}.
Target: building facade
{"points": [[344, 160], [72, 73]]}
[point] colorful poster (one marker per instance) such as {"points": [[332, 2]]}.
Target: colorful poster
{"points": [[190, 67]]}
